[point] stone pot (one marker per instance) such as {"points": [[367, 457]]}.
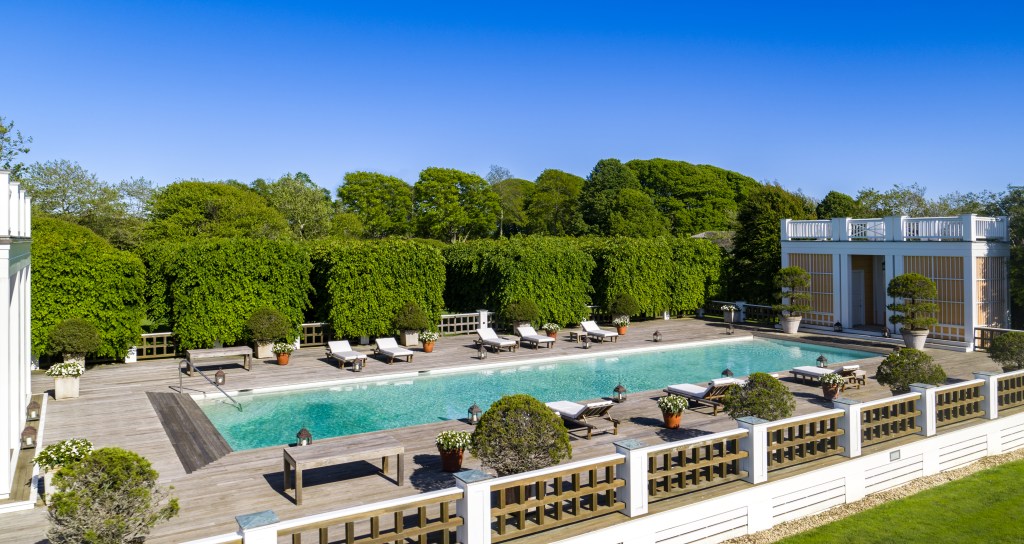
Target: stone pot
{"points": [[914, 338], [428, 347], [830, 391], [790, 324], [65, 387], [282, 358], [409, 338], [451, 461], [264, 351], [672, 421]]}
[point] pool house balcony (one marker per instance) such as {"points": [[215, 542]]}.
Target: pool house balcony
{"points": [[899, 228]]}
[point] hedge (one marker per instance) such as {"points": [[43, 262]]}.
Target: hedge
{"points": [[360, 286], [206, 289], [552, 272], [76, 273]]}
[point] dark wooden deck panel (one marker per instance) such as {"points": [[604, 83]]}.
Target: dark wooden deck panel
{"points": [[195, 439]]}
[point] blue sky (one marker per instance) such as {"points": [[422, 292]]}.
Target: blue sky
{"points": [[817, 96]]}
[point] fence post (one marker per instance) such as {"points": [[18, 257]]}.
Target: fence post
{"points": [[850, 424], [840, 230], [784, 229], [989, 390], [756, 446], [258, 527], [634, 472], [483, 319], [474, 507], [925, 405], [970, 232]]}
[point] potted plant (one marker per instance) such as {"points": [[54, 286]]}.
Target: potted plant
{"points": [[830, 385], [283, 351], [409, 320], [901, 368], [451, 445], [793, 283], [552, 329], [65, 379], [621, 323], [429, 338], [730, 313], [672, 408], [266, 326], [915, 311], [53, 457], [521, 312], [621, 307], [74, 338]]}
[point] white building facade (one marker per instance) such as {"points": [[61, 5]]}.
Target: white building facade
{"points": [[15, 323], [851, 262]]}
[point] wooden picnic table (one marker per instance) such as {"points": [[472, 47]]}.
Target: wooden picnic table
{"points": [[337, 451], [193, 355]]}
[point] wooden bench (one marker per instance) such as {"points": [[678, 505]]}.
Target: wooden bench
{"points": [[344, 450], [193, 355]]}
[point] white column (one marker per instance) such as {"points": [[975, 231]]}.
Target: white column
{"points": [[970, 234], [5, 208], [850, 424], [8, 423], [837, 287], [926, 405], [970, 296], [474, 507], [784, 229], [756, 446], [840, 230], [634, 472]]}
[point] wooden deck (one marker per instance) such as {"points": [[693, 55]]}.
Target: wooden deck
{"points": [[196, 441], [115, 410]]}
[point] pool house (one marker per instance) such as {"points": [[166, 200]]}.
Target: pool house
{"points": [[851, 261]]}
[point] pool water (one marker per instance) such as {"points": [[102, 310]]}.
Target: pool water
{"points": [[270, 419]]}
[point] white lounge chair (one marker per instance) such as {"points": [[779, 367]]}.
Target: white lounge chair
{"points": [[811, 375], [596, 333], [341, 351], [585, 415], [529, 336], [389, 348], [710, 396], [487, 337]]}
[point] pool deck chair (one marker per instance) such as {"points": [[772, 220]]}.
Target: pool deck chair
{"points": [[596, 333], [529, 336], [389, 348], [341, 351], [710, 396], [584, 416], [854, 375], [487, 337], [811, 375]]}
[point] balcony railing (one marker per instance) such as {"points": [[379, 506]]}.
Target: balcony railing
{"points": [[15, 209], [967, 228]]}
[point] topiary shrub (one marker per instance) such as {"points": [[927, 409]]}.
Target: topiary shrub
{"points": [[521, 311], [1007, 349], [913, 312], [110, 496], [74, 337], [901, 368], [518, 433], [267, 325], [624, 304], [762, 396], [793, 282], [411, 317]]}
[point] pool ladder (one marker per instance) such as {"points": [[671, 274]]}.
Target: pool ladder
{"points": [[181, 388]]}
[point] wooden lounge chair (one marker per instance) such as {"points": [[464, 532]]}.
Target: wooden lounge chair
{"points": [[389, 348], [584, 416], [596, 333], [529, 336], [711, 395], [341, 351], [810, 375], [854, 376], [487, 337]]}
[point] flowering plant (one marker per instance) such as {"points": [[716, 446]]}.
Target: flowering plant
{"points": [[673, 404], [833, 378], [429, 336], [69, 369], [553, 327], [283, 347], [621, 321], [63, 453], [729, 308], [453, 440]]}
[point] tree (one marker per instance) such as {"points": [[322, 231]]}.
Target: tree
{"points": [[497, 174], [900, 200], [453, 205], [1007, 349], [915, 310], [553, 207], [186, 209], [793, 283], [518, 433], [383, 204], [836, 204], [613, 203], [66, 190], [762, 396], [134, 196], [109, 497], [630, 212], [512, 195], [12, 144], [901, 368], [305, 205]]}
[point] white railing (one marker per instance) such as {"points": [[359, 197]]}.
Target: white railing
{"points": [[933, 228], [866, 229], [990, 228], [466, 323], [15, 209], [967, 227], [811, 230]]}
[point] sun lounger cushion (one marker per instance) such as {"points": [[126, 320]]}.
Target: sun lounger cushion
{"points": [[573, 410], [687, 390], [813, 371]]}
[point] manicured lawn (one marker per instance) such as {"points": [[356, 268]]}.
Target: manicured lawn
{"points": [[984, 507]]}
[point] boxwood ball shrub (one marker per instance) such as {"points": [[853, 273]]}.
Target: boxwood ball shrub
{"points": [[1007, 349], [762, 396], [624, 304], [521, 311], [901, 368], [74, 337], [518, 433], [267, 325], [411, 317]]}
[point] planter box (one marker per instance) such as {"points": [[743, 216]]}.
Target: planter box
{"points": [[731, 316], [265, 351], [65, 388], [409, 338]]}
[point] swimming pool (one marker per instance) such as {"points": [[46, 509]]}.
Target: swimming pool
{"points": [[269, 419]]}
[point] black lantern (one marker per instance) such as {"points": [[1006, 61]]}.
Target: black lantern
{"points": [[32, 411], [886, 333], [474, 414], [657, 336], [28, 438], [727, 373], [838, 327], [619, 393], [822, 361], [220, 377], [304, 437], [586, 341], [357, 365], [481, 352]]}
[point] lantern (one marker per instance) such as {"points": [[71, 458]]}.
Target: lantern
{"points": [[586, 341], [357, 365], [474, 414], [822, 361], [219, 378], [32, 411], [28, 438], [886, 333], [481, 352], [838, 327], [304, 437], [727, 373], [657, 336], [619, 393]]}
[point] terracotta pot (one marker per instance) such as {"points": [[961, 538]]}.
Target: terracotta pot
{"points": [[282, 358], [622, 330], [428, 347], [672, 421], [553, 334], [451, 461], [830, 391]]}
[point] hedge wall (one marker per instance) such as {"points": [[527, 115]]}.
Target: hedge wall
{"points": [[75, 273], [206, 289], [360, 286], [553, 272]]}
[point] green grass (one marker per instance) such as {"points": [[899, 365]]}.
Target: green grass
{"points": [[984, 507]]}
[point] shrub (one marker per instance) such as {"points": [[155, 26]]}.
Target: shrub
{"points": [[521, 311], [63, 453], [624, 305], [110, 496], [267, 325], [75, 336], [1007, 349], [901, 368], [793, 282], [762, 396], [915, 314], [518, 433], [411, 317]]}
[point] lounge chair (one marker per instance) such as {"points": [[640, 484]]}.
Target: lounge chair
{"points": [[529, 336], [810, 375], [487, 337], [341, 351], [709, 396], [854, 375], [584, 416], [596, 333], [389, 348]]}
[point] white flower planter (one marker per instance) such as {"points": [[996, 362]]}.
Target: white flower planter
{"points": [[790, 324], [409, 338], [65, 387], [914, 339], [731, 316]]}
